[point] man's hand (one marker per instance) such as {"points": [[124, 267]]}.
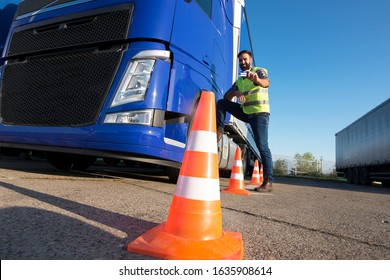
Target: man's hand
{"points": [[234, 93], [252, 76], [240, 96], [255, 78]]}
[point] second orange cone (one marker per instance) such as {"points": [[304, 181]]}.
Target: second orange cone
{"points": [[236, 183], [257, 175], [193, 229]]}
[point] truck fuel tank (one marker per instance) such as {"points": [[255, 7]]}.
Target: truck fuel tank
{"points": [[226, 152]]}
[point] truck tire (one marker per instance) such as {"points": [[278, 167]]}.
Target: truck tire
{"points": [[173, 174], [364, 176], [356, 175], [245, 160]]}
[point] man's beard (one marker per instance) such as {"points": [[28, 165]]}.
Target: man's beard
{"points": [[245, 67]]}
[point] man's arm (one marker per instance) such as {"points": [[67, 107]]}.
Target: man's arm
{"points": [[259, 77], [234, 92]]}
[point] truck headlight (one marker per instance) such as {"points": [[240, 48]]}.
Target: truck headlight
{"points": [[144, 117], [136, 80]]}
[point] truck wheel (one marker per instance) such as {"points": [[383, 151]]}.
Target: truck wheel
{"points": [[245, 160], [173, 174], [356, 176], [70, 161], [365, 176]]}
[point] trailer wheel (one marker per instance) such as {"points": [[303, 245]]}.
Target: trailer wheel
{"points": [[356, 176], [349, 175], [365, 176]]}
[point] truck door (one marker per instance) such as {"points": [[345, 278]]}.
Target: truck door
{"points": [[192, 30], [192, 48]]}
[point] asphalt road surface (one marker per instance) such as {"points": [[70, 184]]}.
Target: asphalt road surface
{"points": [[46, 213]]}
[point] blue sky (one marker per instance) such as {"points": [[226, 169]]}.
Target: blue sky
{"points": [[328, 63]]}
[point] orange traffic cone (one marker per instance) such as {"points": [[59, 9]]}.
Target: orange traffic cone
{"points": [[257, 176], [261, 174], [193, 229], [236, 183]]}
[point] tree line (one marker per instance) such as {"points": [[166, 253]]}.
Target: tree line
{"points": [[304, 164]]}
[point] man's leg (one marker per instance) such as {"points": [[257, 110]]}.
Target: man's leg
{"points": [[233, 108], [259, 126]]}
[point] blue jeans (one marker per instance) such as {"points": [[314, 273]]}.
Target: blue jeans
{"points": [[259, 125]]}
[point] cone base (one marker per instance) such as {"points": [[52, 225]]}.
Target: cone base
{"points": [[160, 244], [236, 191]]}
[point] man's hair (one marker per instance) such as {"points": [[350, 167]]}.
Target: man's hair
{"points": [[244, 51]]}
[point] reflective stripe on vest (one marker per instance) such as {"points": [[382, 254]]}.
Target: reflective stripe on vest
{"points": [[256, 97]]}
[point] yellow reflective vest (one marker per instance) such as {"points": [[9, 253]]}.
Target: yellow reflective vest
{"points": [[256, 97]]}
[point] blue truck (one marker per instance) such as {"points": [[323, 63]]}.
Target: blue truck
{"points": [[87, 79]]}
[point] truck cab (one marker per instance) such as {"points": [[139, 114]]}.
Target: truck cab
{"points": [[117, 79]]}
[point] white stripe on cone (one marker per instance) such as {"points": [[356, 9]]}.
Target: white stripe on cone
{"points": [[206, 189], [237, 176], [203, 141]]}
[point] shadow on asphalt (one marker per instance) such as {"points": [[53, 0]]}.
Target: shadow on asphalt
{"points": [[32, 233], [97, 170]]}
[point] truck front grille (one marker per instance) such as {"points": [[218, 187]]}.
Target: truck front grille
{"points": [[71, 32], [63, 77], [66, 89]]}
